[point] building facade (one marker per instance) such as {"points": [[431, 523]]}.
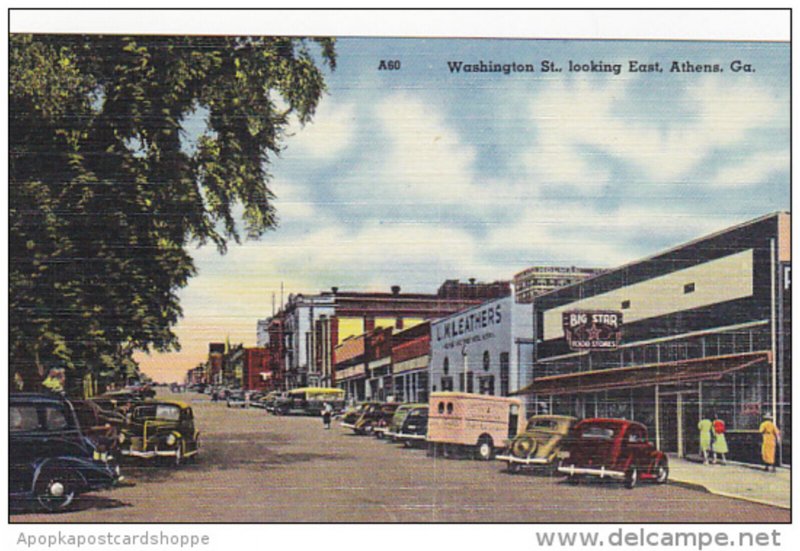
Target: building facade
{"points": [[486, 349], [255, 369], [538, 280], [309, 328], [411, 353], [705, 331]]}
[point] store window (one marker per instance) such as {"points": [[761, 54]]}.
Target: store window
{"points": [[486, 385], [446, 366], [447, 384], [486, 361], [504, 372]]}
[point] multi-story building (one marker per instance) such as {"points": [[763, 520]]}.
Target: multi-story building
{"points": [[411, 352], [255, 369], [537, 280], [312, 326], [700, 330], [214, 363], [486, 349]]}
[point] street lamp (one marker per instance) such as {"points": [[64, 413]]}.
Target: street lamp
{"points": [[466, 366]]}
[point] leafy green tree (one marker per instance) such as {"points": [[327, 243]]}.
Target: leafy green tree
{"points": [[108, 190]]}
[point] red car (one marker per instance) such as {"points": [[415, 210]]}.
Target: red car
{"points": [[613, 448]]}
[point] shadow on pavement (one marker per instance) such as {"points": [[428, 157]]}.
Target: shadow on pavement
{"points": [[85, 502]]}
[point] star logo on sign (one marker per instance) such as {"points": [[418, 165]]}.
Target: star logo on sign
{"points": [[594, 333]]}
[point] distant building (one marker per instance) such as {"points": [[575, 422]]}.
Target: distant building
{"points": [[304, 334], [256, 373], [537, 280], [453, 288]]}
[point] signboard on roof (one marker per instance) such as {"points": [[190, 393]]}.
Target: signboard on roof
{"points": [[592, 330]]}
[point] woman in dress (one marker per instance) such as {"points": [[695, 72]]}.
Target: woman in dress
{"points": [[705, 427], [771, 436], [720, 445]]}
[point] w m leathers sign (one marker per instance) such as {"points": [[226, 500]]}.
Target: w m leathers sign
{"points": [[599, 330]]}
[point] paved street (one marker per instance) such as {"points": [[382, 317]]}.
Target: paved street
{"points": [[254, 467]]}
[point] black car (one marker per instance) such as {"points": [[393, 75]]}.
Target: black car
{"points": [[51, 461], [414, 429]]}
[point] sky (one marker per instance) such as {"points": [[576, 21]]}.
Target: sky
{"points": [[412, 176]]}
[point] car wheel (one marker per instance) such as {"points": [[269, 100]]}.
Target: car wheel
{"points": [[513, 468], [631, 478], [55, 491], [407, 444], [573, 479], [485, 449], [662, 472], [367, 429], [379, 435]]}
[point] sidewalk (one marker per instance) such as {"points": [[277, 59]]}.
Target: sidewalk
{"points": [[735, 480]]}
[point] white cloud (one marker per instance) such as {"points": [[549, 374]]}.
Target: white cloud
{"points": [[328, 135], [292, 201], [578, 123], [753, 171], [578, 234], [416, 157]]}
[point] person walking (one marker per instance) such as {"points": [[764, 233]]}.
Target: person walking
{"points": [[720, 445], [327, 411], [705, 426], [770, 438]]}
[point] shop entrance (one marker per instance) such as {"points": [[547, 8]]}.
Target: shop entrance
{"points": [[678, 418]]}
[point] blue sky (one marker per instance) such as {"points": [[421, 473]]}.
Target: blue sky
{"points": [[414, 176]]}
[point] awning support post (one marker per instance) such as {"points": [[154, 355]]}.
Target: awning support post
{"points": [[658, 421]]}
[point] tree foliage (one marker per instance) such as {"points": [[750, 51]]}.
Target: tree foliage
{"points": [[108, 189]]}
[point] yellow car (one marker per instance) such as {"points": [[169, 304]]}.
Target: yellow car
{"points": [[160, 430], [539, 444]]}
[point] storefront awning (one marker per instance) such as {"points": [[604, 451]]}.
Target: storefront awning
{"points": [[686, 371]]}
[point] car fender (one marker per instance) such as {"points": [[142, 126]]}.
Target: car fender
{"points": [[655, 457], [75, 465]]}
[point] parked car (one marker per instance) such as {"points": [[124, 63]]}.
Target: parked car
{"points": [[539, 444], [460, 421], [236, 399], [253, 397], [160, 430], [414, 428], [613, 448], [374, 416], [120, 401], [99, 425], [396, 422], [266, 401], [351, 415], [51, 461]]}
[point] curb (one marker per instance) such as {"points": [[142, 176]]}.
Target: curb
{"points": [[702, 487]]}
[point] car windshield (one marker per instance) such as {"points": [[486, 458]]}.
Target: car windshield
{"points": [[597, 432], [161, 412], [542, 424], [24, 418]]}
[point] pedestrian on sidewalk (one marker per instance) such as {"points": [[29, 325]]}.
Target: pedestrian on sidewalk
{"points": [[771, 437], [705, 426], [327, 411], [720, 445]]}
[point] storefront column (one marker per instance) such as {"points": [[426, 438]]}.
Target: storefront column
{"points": [[658, 420], [680, 424]]}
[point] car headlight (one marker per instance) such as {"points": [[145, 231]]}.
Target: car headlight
{"points": [[121, 438], [563, 454], [171, 440]]}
